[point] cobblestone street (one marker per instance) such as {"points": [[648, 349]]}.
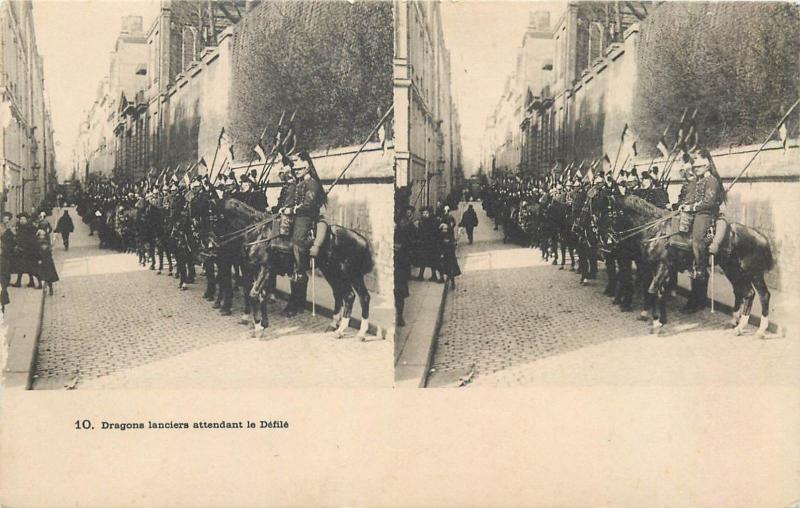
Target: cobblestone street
{"points": [[112, 323], [516, 320]]}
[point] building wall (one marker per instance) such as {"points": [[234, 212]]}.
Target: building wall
{"points": [[428, 138], [362, 201], [599, 104], [26, 135], [205, 96], [764, 198]]}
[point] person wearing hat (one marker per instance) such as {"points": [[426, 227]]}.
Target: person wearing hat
{"points": [[47, 268], [44, 225], [447, 248], [428, 254], [26, 255], [7, 246], [650, 193], [309, 199], [469, 221], [65, 227], [704, 206]]}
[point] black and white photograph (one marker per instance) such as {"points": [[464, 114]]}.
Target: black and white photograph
{"points": [[238, 238], [597, 193], [197, 194]]}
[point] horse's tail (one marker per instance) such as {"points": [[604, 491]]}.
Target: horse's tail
{"points": [[357, 247], [753, 241]]}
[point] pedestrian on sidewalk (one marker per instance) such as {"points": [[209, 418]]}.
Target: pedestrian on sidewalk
{"points": [[428, 255], [469, 221], [7, 242], [65, 227], [449, 261], [402, 263], [43, 224], [47, 268], [26, 252]]}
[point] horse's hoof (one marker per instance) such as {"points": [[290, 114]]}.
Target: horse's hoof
{"points": [[737, 332], [362, 338], [644, 316], [560, 267]]}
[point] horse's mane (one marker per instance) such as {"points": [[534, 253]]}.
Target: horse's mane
{"points": [[642, 207], [243, 209]]}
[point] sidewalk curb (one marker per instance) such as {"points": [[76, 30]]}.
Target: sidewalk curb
{"points": [[22, 352], [423, 383], [355, 323]]}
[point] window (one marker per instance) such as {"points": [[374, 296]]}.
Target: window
{"points": [[595, 41], [189, 46]]}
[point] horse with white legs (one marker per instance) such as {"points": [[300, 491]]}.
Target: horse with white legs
{"points": [[744, 256], [343, 256]]}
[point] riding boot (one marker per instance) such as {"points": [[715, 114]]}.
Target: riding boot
{"points": [[399, 305], [702, 291], [300, 302], [691, 302], [292, 302]]}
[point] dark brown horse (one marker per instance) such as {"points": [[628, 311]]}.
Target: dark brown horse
{"points": [[745, 256], [344, 258]]}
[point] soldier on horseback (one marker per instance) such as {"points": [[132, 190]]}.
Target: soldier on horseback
{"points": [[309, 199], [703, 205]]}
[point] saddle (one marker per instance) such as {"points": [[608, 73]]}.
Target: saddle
{"points": [[718, 237], [282, 234], [679, 237]]}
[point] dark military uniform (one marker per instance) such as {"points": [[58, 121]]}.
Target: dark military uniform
{"points": [[654, 195], [705, 207], [308, 201]]}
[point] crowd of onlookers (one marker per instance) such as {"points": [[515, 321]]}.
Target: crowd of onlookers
{"points": [[26, 249], [425, 242]]}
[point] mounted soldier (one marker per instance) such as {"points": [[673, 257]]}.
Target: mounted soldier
{"points": [[650, 193], [703, 206], [309, 199]]}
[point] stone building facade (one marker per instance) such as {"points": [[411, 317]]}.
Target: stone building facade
{"points": [[203, 73], [27, 155], [576, 109], [428, 129]]}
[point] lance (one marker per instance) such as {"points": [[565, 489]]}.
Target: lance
{"points": [[219, 142], [772, 133], [653, 160], [250, 162], [619, 149], [374, 130], [276, 145], [161, 175]]}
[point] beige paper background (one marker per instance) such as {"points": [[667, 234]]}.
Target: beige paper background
{"points": [[625, 447]]}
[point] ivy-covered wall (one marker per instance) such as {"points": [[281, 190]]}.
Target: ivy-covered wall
{"points": [[738, 63], [329, 61]]}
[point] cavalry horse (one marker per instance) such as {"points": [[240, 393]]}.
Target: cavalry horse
{"points": [[556, 230], [745, 256], [620, 252], [344, 258]]}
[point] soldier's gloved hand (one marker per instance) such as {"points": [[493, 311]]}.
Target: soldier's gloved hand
{"points": [[313, 251]]}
